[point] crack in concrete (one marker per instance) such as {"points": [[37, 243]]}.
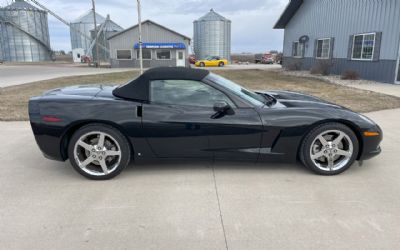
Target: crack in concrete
{"points": [[219, 207]]}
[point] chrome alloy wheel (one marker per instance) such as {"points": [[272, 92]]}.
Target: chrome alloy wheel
{"points": [[97, 153], [331, 150]]}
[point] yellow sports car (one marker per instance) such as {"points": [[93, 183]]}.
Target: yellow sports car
{"points": [[212, 61]]}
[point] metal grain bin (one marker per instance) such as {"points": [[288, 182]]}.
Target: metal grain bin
{"points": [[212, 36], [105, 30], [84, 24], [24, 33]]}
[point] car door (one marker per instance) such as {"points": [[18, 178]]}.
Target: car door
{"points": [[215, 61], [176, 120], [178, 123]]}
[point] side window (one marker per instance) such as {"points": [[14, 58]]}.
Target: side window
{"points": [[185, 93]]}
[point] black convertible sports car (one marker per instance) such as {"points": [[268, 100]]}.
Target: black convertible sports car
{"points": [[180, 113]]}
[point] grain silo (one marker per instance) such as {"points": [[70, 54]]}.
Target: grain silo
{"points": [[103, 31], [212, 36], [84, 24], [24, 33]]}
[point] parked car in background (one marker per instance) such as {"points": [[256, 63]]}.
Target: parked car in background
{"points": [[264, 58], [212, 61]]}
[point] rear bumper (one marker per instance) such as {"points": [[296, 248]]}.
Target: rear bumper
{"points": [[50, 147], [49, 141]]}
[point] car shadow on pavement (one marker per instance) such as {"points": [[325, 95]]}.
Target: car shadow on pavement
{"points": [[65, 170], [165, 167]]}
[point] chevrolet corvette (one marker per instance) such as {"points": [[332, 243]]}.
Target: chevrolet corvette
{"points": [[212, 61], [180, 113]]}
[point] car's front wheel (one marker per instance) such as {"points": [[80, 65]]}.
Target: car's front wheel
{"points": [[329, 149], [202, 64], [98, 151], [221, 64]]}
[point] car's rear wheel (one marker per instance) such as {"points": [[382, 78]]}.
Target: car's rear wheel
{"points": [[329, 149], [99, 152], [202, 64], [221, 64]]}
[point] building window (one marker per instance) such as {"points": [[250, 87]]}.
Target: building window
{"points": [[146, 53], [298, 49], [363, 47], [163, 54], [323, 48], [124, 54]]}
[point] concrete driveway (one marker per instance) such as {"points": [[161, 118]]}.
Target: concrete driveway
{"points": [[16, 74], [46, 205]]}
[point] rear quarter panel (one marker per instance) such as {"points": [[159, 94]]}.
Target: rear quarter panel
{"points": [[53, 137]]}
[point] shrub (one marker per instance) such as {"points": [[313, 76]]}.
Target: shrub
{"points": [[322, 67], [350, 75]]}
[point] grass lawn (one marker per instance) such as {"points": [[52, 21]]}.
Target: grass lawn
{"points": [[14, 99]]}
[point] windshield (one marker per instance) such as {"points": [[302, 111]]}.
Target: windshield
{"points": [[248, 95]]}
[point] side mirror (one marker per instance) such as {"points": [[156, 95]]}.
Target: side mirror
{"points": [[221, 107]]}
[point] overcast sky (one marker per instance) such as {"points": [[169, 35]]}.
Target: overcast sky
{"points": [[252, 20]]}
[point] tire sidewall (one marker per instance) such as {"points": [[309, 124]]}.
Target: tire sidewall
{"points": [[305, 156], [121, 139]]}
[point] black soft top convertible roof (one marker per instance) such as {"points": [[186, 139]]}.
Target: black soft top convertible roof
{"points": [[138, 89]]}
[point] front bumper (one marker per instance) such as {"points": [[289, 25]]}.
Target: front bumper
{"points": [[371, 145]]}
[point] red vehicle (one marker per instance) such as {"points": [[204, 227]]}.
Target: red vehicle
{"points": [[264, 58], [192, 59]]}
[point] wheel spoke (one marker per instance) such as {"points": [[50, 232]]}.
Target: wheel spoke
{"points": [[86, 162], [104, 166], [113, 153], [343, 152], [338, 139], [85, 145], [330, 163], [101, 140], [322, 140], [317, 155]]}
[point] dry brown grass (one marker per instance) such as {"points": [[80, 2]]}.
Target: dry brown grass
{"points": [[355, 99], [14, 100]]}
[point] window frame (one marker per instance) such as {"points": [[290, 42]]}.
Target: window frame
{"points": [[150, 101], [329, 49], [170, 55], [297, 49], [124, 59], [362, 47], [144, 59]]}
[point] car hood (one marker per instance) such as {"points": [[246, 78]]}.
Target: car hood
{"points": [[298, 100]]}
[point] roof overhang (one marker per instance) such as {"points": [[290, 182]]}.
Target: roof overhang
{"points": [[288, 13], [151, 22]]}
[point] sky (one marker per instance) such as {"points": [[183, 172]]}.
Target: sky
{"points": [[252, 20]]}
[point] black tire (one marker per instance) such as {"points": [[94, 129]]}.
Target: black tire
{"points": [[305, 148], [121, 140], [221, 64], [202, 64]]}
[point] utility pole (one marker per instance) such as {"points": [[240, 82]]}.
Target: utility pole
{"points": [[95, 37], [140, 36]]}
